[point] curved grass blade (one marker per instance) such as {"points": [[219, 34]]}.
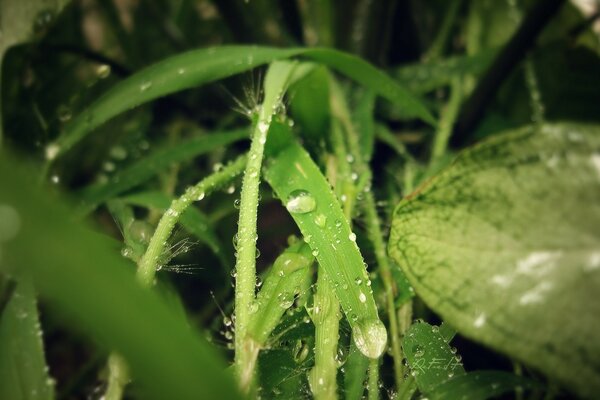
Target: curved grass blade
{"points": [[301, 186], [480, 385], [429, 356], [507, 238], [23, 370], [197, 67], [80, 273], [159, 160], [192, 219]]}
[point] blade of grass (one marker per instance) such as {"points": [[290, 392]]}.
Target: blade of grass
{"points": [[157, 161], [277, 79], [23, 370], [79, 272], [283, 282], [325, 315], [197, 67], [327, 232]]}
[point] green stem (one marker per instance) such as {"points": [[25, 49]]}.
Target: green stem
{"points": [[447, 119], [537, 106], [376, 237], [439, 43], [149, 262], [117, 378], [373, 385], [282, 284], [325, 315], [275, 84], [118, 372]]}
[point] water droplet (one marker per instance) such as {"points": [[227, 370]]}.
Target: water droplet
{"points": [[52, 151], [418, 351], [118, 152], [362, 297], [370, 337], [352, 237], [141, 231], [236, 203], [300, 202], [127, 252], [230, 189], [55, 179], [200, 196], [103, 71], [358, 281], [315, 252], [181, 71], [263, 127], [145, 86], [320, 220], [64, 113]]}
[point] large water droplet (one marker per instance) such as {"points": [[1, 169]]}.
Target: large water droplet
{"points": [[300, 202], [370, 337]]}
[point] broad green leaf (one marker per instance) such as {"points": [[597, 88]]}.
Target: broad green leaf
{"points": [[23, 371], [157, 161], [197, 67], [505, 246], [81, 274], [480, 385], [431, 359], [308, 197]]}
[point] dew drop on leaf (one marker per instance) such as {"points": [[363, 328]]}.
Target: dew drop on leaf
{"points": [[370, 337], [300, 202]]}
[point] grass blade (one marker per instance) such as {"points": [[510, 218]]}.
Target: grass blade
{"points": [[155, 162], [292, 173], [23, 371], [81, 274], [198, 67]]}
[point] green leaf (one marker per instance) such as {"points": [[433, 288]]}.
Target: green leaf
{"points": [[355, 374], [480, 385], [505, 246], [23, 370], [80, 273], [157, 161], [307, 195], [429, 356], [197, 67]]}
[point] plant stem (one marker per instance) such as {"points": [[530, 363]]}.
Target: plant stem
{"points": [[149, 262], [439, 43], [117, 367], [376, 237], [275, 84], [326, 315], [447, 119], [118, 377], [373, 386]]}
